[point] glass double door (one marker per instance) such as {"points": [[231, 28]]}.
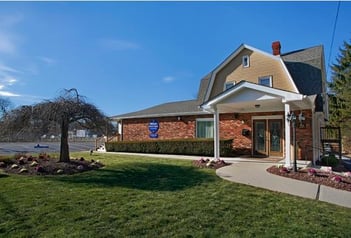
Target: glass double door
{"points": [[267, 139]]}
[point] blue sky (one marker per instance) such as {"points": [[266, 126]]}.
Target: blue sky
{"points": [[127, 56]]}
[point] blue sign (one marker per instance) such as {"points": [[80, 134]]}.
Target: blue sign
{"points": [[153, 135], [153, 126]]}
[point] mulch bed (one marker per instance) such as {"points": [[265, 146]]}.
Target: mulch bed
{"points": [[45, 165], [207, 163], [339, 180]]}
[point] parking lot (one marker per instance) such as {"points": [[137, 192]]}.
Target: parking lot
{"points": [[47, 147]]}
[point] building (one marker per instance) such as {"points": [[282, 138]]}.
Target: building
{"points": [[247, 97]]}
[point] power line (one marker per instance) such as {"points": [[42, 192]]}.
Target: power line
{"points": [[333, 35]]}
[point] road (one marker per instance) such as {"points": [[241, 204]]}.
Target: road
{"points": [[28, 147]]}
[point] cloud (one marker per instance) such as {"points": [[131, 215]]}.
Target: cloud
{"points": [[168, 79], [7, 43], [8, 21], [5, 68], [8, 38], [9, 80], [47, 60], [116, 44], [8, 77], [8, 94]]}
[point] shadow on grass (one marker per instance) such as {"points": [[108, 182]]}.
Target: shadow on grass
{"points": [[145, 176], [3, 175]]}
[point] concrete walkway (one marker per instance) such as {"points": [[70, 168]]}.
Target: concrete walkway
{"points": [[255, 174]]}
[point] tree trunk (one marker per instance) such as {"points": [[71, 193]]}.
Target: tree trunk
{"points": [[64, 149]]}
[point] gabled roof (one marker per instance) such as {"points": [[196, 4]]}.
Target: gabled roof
{"points": [[306, 68]]}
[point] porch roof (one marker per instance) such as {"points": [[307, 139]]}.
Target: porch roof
{"points": [[250, 97]]}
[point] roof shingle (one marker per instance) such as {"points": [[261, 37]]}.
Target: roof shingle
{"points": [[305, 67]]}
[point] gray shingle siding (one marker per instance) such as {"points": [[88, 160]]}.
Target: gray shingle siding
{"points": [[305, 67]]}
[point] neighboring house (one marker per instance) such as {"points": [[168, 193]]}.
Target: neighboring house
{"points": [[247, 98]]}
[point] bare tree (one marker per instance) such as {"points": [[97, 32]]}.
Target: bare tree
{"points": [[68, 108], [5, 106], [16, 123]]}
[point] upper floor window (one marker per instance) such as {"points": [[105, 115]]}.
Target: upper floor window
{"points": [[265, 81], [229, 85], [246, 61]]}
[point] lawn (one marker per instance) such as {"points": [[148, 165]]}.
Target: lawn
{"points": [[148, 197]]}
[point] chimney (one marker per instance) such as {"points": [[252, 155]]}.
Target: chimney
{"points": [[276, 47]]}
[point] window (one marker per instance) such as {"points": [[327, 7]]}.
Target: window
{"points": [[246, 61], [229, 85], [204, 128], [265, 81]]}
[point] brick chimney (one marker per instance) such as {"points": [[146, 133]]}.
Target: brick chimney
{"points": [[276, 47]]}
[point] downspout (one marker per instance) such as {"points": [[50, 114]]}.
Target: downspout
{"points": [[120, 129], [315, 135], [216, 134]]}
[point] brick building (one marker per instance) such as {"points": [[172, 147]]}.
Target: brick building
{"points": [[248, 98]]}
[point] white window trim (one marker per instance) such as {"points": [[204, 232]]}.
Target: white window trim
{"points": [[266, 77], [204, 119], [246, 58]]}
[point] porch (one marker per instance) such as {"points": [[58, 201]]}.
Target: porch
{"points": [[271, 133]]}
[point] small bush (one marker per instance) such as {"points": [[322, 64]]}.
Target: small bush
{"points": [[330, 160]]}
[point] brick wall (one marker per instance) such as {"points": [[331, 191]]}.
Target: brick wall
{"points": [[304, 137], [169, 128], [231, 126]]}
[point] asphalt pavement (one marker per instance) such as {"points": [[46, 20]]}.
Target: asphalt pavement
{"points": [[7, 148]]}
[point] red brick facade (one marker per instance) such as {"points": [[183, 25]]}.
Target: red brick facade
{"points": [[231, 126]]}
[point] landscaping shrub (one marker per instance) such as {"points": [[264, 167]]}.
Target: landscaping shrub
{"points": [[330, 160], [202, 147]]}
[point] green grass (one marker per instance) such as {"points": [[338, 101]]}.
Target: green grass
{"points": [[144, 197]]}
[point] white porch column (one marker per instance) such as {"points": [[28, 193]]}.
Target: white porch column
{"points": [[287, 137], [216, 133]]}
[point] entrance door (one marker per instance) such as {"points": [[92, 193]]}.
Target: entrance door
{"points": [[260, 138], [275, 137], [267, 139]]}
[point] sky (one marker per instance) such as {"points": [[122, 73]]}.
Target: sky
{"points": [[128, 56]]}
